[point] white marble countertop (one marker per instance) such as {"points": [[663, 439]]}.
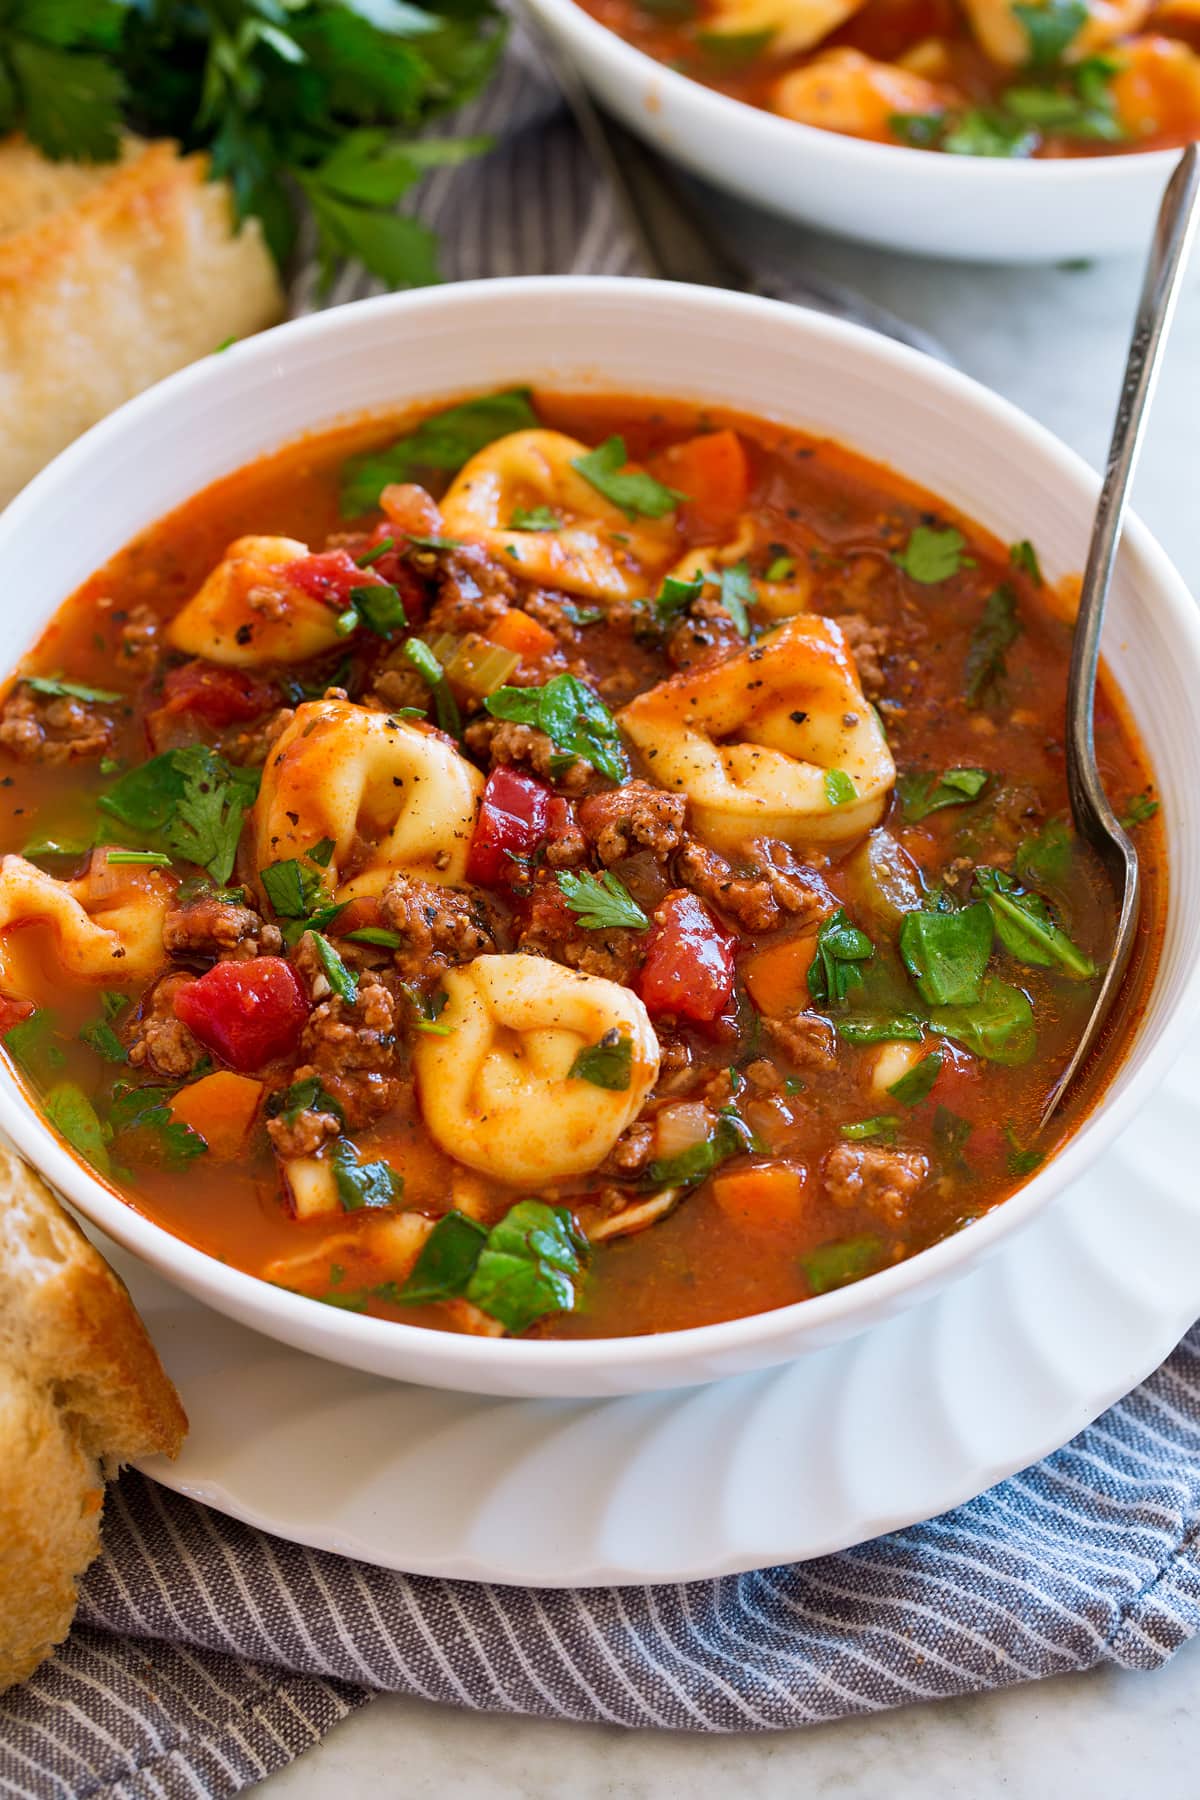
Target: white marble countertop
{"points": [[1052, 340]]}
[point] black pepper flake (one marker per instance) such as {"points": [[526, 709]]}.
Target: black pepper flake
{"points": [[798, 718], [243, 634]]}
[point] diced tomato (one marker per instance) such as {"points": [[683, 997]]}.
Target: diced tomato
{"points": [[13, 1012], [714, 473], [222, 696], [330, 575], [688, 969], [560, 819], [512, 822], [247, 1013]]}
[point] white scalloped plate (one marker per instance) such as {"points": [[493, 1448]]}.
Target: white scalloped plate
{"points": [[895, 1425]]}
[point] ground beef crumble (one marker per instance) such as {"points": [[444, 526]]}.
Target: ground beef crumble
{"points": [[807, 1039], [353, 1048], [215, 930], [503, 742], [438, 926], [636, 816], [160, 1041], [774, 887], [870, 1175], [550, 928], [52, 728], [867, 644]]}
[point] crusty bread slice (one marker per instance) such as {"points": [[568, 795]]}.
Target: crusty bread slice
{"points": [[111, 277], [81, 1391]]}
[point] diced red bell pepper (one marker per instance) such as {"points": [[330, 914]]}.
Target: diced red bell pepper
{"points": [[247, 1013], [511, 823], [222, 696], [688, 969]]}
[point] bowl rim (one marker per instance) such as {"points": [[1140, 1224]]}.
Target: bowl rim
{"points": [[717, 112], [459, 1358]]}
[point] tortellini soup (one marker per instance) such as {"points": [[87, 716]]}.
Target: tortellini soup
{"points": [[557, 867]]}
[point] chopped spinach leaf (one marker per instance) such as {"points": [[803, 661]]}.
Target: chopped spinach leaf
{"points": [[880, 1028], [447, 1260], [637, 494], [1023, 556], [140, 1120], [837, 1264], [922, 794], [380, 608], [946, 953], [379, 935], [998, 1026], [303, 1096], [607, 1064], [834, 969], [1045, 858], [533, 1263], [99, 1035], [998, 629], [1026, 928], [916, 1086], [294, 888], [931, 556], [362, 1184], [1021, 1160], [31, 1043], [729, 1137], [920, 131], [582, 615], [74, 1117], [734, 49], [1051, 28], [574, 719], [675, 596], [445, 441], [987, 131], [950, 1135]]}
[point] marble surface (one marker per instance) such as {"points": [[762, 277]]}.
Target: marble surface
{"points": [[1053, 340]]}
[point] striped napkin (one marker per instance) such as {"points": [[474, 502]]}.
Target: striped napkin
{"points": [[208, 1655]]}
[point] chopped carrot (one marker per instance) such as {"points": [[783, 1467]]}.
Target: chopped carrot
{"points": [[714, 472], [515, 630], [777, 977], [222, 1108], [771, 1194]]}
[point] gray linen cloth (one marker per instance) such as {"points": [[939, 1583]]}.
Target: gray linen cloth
{"points": [[208, 1654]]}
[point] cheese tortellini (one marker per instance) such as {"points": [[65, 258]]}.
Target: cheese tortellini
{"points": [[392, 793], [497, 1092], [106, 926], [772, 599], [776, 742], [998, 27], [793, 24], [532, 469], [248, 612], [843, 90]]}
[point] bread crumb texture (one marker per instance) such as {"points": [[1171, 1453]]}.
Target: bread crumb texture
{"points": [[81, 1390], [112, 276]]}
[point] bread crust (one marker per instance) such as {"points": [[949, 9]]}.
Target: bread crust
{"points": [[81, 1391], [110, 278]]}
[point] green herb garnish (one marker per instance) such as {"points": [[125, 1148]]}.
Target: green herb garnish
{"points": [[72, 690], [607, 1064], [1051, 28], [883, 1126], [917, 1084], [736, 593], [445, 706], [834, 969], [931, 556], [1021, 1160], [1139, 810], [601, 902], [361, 1184], [837, 1264], [1023, 556], [447, 1260], [922, 794], [74, 1117], [839, 788], [99, 1034], [637, 494], [1026, 928], [341, 979], [534, 518], [575, 720], [380, 608], [729, 1137], [998, 629], [950, 1135], [141, 1121], [998, 1026], [946, 953], [190, 802], [444, 441]]}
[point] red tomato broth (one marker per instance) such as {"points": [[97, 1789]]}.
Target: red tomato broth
{"points": [[844, 518], [1157, 105]]}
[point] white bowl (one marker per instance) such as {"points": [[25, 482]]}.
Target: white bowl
{"points": [[764, 358], [981, 209]]}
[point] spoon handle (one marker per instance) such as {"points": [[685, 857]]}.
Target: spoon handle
{"points": [[1176, 222], [1094, 817]]}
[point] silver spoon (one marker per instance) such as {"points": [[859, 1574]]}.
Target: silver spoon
{"points": [[1095, 819]]}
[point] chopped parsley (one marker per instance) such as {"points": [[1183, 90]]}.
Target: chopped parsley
{"points": [[998, 629], [931, 556], [54, 687], [924, 793], [75, 1118], [534, 518], [637, 494], [574, 718], [839, 788], [191, 803], [736, 593], [99, 1034], [601, 902], [1139, 810], [1024, 557]]}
